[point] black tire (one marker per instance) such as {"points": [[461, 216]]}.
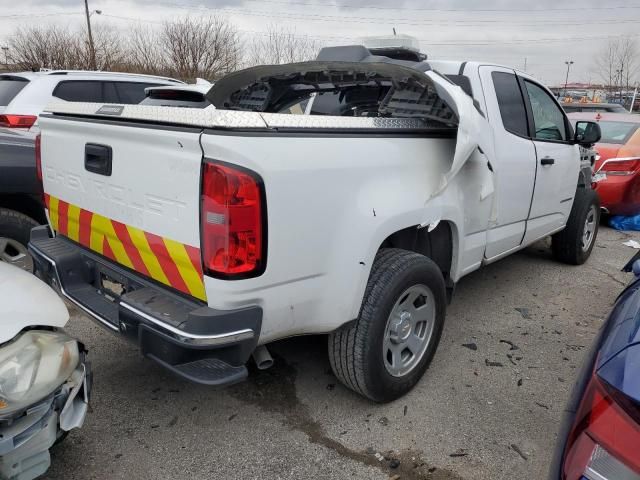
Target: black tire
{"points": [[567, 245], [356, 351], [16, 226]]}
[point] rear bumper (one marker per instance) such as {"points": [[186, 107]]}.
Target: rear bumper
{"points": [[620, 195], [182, 334]]}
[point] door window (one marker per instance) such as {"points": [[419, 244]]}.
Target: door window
{"points": [[548, 119], [79, 91], [511, 103]]}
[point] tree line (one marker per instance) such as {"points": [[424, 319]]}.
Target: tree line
{"points": [[185, 48]]}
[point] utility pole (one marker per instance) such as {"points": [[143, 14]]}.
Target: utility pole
{"points": [[92, 50], [525, 64], [568, 63]]}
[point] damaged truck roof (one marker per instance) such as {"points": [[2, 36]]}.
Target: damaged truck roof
{"points": [[375, 89]]}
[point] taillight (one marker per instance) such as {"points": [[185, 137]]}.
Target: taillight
{"points": [[620, 166], [39, 157], [233, 230], [17, 121], [604, 440]]}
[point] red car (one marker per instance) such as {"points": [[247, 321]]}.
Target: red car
{"points": [[617, 168]]}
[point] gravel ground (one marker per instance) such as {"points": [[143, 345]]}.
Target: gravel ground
{"points": [[488, 407]]}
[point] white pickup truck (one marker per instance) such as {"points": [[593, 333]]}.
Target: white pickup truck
{"points": [[205, 234]]}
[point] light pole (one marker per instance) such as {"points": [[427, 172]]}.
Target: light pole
{"points": [[92, 50], [568, 63]]}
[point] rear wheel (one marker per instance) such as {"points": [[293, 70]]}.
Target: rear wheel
{"points": [[15, 230], [574, 244], [388, 348]]}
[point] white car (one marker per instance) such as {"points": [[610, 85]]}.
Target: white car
{"points": [[205, 234], [44, 378], [23, 95]]}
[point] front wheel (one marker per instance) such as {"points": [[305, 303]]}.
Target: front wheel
{"points": [[574, 244], [385, 352]]}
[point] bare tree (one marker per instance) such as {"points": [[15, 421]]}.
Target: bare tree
{"points": [[278, 46], [110, 52], [145, 53], [45, 47], [206, 47], [617, 64]]}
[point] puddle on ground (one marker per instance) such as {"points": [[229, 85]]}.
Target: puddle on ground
{"points": [[274, 391]]}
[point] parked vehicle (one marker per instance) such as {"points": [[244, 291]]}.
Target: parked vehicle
{"points": [[45, 380], [23, 96], [193, 96], [617, 169], [215, 231], [573, 107], [600, 431]]}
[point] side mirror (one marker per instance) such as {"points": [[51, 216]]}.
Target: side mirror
{"points": [[587, 133]]}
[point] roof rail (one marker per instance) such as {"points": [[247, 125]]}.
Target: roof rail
{"points": [[100, 72]]}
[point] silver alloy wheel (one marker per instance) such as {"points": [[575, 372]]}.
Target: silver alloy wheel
{"points": [[15, 253], [409, 329], [588, 233]]}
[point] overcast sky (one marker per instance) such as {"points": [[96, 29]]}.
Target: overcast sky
{"points": [[502, 31]]}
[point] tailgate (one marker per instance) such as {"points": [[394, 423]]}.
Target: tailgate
{"points": [[129, 192]]}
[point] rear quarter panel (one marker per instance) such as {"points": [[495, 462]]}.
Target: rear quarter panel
{"points": [[331, 202]]}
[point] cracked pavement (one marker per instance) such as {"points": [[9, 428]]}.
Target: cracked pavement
{"points": [[488, 407]]}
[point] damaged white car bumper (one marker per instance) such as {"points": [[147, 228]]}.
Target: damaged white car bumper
{"points": [[45, 380]]}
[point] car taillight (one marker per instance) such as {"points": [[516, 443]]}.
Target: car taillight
{"points": [[17, 121], [620, 166], [39, 157], [604, 441], [233, 231]]}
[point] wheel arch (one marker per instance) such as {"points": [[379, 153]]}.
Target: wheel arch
{"points": [[437, 244]]}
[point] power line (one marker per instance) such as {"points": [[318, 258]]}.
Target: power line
{"points": [[388, 21], [445, 10], [426, 40]]}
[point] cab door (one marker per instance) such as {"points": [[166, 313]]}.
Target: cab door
{"points": [[558, 162], [513, 161]]}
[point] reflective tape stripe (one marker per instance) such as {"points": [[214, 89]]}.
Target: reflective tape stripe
{"points": [[149, 259], [73, 224], [164, 260], [193, 280], [53, 212], [168, 266]]}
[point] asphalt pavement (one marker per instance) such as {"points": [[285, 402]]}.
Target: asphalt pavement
{"points": [[487, 408]]}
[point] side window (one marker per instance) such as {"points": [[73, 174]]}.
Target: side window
{"points": [[110, 94], [548, 118], [132, 92], [79, 91], [511, 103]]}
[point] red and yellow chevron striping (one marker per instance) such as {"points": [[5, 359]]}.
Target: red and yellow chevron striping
{"points": [[166, 261]]}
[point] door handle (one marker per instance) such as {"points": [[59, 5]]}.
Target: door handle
{"points": [[547, 161], [97, 159]]}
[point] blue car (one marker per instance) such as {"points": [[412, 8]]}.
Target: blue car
{"points": [[600, 433]]}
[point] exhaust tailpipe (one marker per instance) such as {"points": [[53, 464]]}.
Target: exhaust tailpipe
{"points": [[262, 357]]}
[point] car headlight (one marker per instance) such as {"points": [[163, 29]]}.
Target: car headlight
{"points": [[33, 366]]}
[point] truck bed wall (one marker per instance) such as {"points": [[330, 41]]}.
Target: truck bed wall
{"points": [[331, 202]]}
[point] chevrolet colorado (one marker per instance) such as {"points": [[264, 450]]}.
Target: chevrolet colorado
{"points": [[205, 234]]}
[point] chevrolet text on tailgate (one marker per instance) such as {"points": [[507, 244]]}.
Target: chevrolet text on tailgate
{"points": [[205, 234]]}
